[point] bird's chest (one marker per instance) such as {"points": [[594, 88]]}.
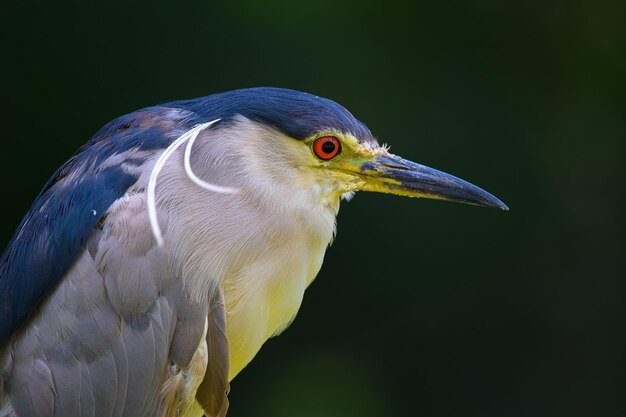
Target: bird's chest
{"points": [[264, 295]]}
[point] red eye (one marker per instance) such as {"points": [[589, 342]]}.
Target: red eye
{"points": [[326, 147]]}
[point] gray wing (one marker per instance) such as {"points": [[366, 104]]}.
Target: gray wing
{"points": [[110, 338]]}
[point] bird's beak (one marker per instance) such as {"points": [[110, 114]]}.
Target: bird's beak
{"points": [[389, 173]]}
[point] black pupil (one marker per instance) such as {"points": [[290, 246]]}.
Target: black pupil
{"points": [[328, 146]]}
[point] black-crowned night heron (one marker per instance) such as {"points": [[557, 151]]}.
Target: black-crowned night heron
{"points": [[157, 260]]}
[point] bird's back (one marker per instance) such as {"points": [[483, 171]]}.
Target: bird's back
{"points": [[116, 335]]}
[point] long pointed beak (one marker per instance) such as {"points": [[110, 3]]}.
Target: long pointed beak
{"points": [[389, 173]]}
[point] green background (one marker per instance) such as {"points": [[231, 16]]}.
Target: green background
{"points": [[422, 308]]}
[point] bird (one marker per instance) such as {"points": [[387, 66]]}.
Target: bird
{"points": [[156, 261]]}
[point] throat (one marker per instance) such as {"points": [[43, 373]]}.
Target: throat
{"points": [[264, 294]]}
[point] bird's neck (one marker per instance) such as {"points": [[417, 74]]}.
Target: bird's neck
{"points": [[262, 255]]}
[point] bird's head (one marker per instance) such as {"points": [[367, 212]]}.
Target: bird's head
{"points": [[345, 163], [291, 140]]}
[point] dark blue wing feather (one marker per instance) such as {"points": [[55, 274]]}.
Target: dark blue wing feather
{"points": [[63, 216]]}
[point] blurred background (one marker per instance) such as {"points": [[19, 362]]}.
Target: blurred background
{"points": [[422, 308]]}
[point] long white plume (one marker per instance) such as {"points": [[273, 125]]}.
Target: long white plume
{"points": [[189, 136]]}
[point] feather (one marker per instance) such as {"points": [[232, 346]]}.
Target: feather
{"points": [[190, 136], [55, 230], [213, 391]]}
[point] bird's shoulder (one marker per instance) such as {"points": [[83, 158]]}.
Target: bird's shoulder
{"points": [[54, 231], [119, 326]]}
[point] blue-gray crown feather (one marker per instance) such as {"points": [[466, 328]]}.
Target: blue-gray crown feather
{"points": [[295, 113], [58, 225]]}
